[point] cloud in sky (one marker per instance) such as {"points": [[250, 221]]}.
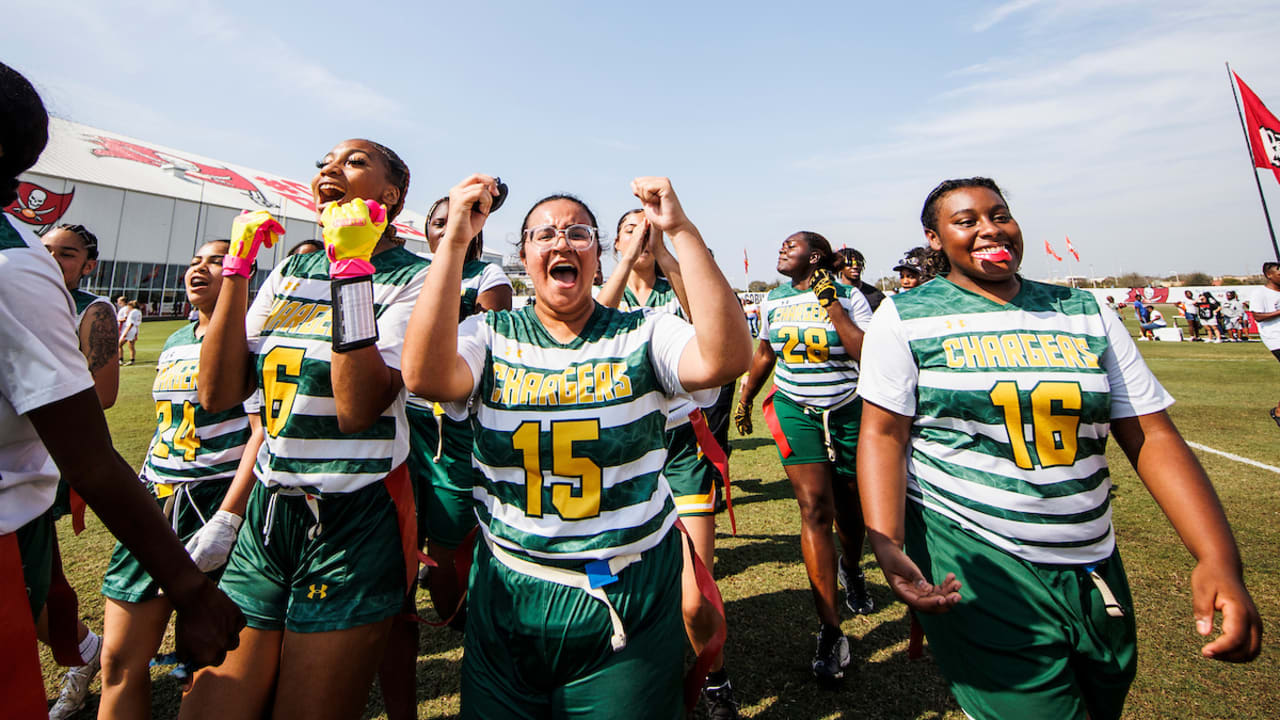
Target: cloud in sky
{"points": [[1108, 120], [1101, 142]]}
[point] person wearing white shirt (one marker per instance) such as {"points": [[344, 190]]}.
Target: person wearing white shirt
{"points": [[129, 330], [1266, 311]]}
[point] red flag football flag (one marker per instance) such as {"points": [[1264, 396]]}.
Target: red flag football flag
{"points": [[1049, 249], [746, 266], [1264, 130], [1071, 249]]}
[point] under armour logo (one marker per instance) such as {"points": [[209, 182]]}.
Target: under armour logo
{"points": [[316, 592]]}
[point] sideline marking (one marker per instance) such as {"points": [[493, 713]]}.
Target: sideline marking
{"points": [[1237, 458]]}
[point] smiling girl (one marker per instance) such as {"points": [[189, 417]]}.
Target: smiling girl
{"points": [[327, 552], [989, 400], [575, 590]]}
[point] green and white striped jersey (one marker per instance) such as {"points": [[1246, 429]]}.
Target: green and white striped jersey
{"points": [[190, 443], [1012, 407], [83, 300], [662, 297], [477, 276], [569, 436], [813, 368], [289, 332]]}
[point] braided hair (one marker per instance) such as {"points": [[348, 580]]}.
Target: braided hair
{"points": [[88, 238], [398, 173]]}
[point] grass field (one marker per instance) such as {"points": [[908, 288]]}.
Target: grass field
{"points": [[1223, 393]]}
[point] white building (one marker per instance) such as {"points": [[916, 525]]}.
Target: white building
{"points": [[152, 207]]}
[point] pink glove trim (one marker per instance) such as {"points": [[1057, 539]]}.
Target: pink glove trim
{"points": [[350, 267], [232, 265]]}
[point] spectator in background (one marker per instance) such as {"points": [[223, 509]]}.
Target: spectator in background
{"points": [[1207, 311], [911, 270], [1116, 307], [1188, 309], [129, 331], [306, 247], [1156, 321], [1232, 313], [1141, 311], [854, 263], [122, 313], [1266, 311], [752, 311]]}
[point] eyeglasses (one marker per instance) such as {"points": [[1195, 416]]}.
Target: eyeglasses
{"points": [[579, 237]]}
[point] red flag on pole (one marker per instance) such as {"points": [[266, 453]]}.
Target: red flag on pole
{"points": [[1263, 130], [1049, 249], [1071, 249], [746, 266]]}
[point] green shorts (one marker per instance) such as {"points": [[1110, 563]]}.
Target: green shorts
{"points": [[446, 509], [537, 649], [125, 580], [1026, 640], [35, 544], [62, 500], [350, 573], [803, 428], [690, 474]]}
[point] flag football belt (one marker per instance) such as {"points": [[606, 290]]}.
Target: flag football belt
{"points": [[711, 449], [172, 493], [269, 521], [21, 682], [775, 427], [598, 574]]}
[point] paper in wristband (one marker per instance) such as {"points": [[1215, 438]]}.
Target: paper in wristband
{"points": [[354, 324]]}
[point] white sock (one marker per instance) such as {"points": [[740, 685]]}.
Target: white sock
{"points": [[89, 647]]}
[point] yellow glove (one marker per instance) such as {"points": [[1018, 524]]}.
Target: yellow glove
{"points": [[742, 419], [823, 285], [249, 231], [351, 231]]}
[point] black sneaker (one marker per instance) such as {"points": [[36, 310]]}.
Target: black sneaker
{"points": [[720, 702], [856, 596], [832, 656]]}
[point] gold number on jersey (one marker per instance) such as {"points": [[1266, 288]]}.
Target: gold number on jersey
{"points": [[1056, 433], [164, 419], [281, 364], [585, 503], [184, 438], [815, 345]]}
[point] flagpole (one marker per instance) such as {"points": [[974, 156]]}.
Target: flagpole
{"points": [[1252, 169]]}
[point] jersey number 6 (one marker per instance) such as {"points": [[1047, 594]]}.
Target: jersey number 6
{"points": [[277, 392]]}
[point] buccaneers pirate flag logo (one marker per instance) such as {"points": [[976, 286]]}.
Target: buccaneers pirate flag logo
{"points": [[38, 206], [1263, 130]]}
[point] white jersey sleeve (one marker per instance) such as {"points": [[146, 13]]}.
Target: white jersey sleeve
{"points": [[473, 347], [492, 277], [40, 363], [858, 308], [1134, 389], [888, 374], [260, 309], [670, 336], [394, 321]]}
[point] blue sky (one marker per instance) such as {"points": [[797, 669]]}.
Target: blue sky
{"points": [[1111, 122]]}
